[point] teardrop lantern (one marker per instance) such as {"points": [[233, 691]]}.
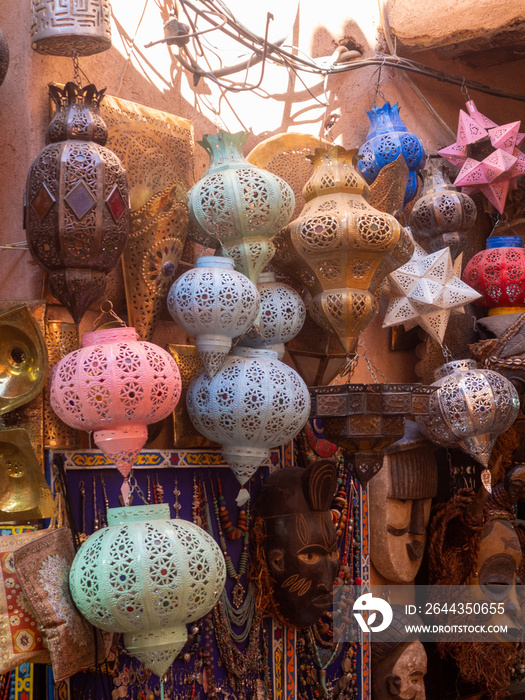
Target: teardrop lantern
{"points": [[77, 201], [237, 205], [442, 214], [147, 576], [215, 303], [116, 386], [253, 403], [387, 139], [469, 408], [349, 246], [498, 274], [281, 318]]}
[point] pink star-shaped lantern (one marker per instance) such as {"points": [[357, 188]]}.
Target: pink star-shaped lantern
{"points": [[487, 155]]}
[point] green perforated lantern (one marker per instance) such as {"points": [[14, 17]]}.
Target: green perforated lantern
{"points": [[147, 576]]}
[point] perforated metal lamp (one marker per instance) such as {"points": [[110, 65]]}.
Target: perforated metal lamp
{"points": [[237, 205], [469, 409], [253, 403], [147, 576], [215, 303], [115, 385]]}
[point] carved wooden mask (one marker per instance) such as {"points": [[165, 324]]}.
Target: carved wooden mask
{"points": [[300, 542]]}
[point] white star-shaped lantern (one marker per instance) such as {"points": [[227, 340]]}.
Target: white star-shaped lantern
{"points": [[425, 291]]}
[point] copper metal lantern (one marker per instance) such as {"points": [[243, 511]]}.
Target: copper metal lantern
{"points": [[77, 201], [70, 28], [348, 245], [366, 418]]}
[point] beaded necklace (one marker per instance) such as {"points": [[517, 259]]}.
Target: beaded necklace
{"points": [[243, 666], [238, 592]]}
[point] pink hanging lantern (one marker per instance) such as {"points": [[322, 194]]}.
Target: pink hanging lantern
{"points": [[487, 155], [115, 385]]}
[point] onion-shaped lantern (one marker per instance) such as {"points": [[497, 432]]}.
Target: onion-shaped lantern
{"points": [[77, 201], [147, 576], [349, 246], [253, 403], [442, 213], [237, 205], [115, 385], [470, 408], [387, 139], [215, 303], [498, 274], [70, 28], [281, 318]]}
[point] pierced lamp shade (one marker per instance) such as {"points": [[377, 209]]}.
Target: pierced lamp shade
{"points": [[70, 28], [387, 139], [116, 386], [281, 318], [147, 576], [348, 245], [237, 205], [215, 303], [77, 201], [442, 213], [498, 274], [470, 408], [253, 403]]}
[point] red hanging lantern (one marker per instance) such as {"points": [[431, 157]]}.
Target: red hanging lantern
{"points": [[115, 385], [498, 274]]}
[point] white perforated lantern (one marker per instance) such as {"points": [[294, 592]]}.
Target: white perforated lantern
{"points": [[215, 303], [115, 385], [281, 318], [253, 403], [147, 576]]}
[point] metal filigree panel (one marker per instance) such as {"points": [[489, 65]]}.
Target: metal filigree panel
{"points": [[61, 339]]}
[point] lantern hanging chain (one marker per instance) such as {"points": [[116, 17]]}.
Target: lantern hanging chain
{"points": [[446, 353], [135, 488], [76, 70], [378, 92], [107, 310]]}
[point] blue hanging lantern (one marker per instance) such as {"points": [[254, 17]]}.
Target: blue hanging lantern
{"points": [[387, 139]]}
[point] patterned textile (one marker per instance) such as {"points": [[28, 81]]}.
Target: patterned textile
{"points": [[20, 639], [43, 568]]}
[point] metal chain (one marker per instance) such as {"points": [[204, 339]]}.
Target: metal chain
{"points": [[76, 70], [135, 488]]}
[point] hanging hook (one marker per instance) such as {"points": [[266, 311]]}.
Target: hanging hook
{"points": [[464, 90], [106, 307]]}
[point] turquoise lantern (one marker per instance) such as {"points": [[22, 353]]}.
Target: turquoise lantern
{"points": [[147, 576], [238, 206], [387, 139]]}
